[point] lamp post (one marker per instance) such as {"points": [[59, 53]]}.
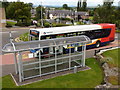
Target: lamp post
{"points": [[41, 16]]}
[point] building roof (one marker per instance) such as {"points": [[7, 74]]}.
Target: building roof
{"points": [[67, 12]]}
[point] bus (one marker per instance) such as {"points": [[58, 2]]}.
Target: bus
{"points": [[100, 34]]}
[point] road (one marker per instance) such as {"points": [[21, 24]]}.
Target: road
{"points": [[5, 36]]}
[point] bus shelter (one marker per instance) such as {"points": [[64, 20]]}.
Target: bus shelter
{"points": [[64, 54]]}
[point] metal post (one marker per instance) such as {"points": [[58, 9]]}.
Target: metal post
{"points": [[41, 16], [11, 39], [75, 69], [19, 66], [83, 56], [70, 59], [39, 62], [55, 60], [16, 66]]}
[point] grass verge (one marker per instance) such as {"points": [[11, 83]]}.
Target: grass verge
{"points": [[113, 62], [82, 79], [117, 31], [113, 54]]}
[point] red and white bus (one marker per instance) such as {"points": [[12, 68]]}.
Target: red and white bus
{"points": [[100, 34]]}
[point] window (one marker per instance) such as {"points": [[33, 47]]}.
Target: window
{"points": [[101, 33]]}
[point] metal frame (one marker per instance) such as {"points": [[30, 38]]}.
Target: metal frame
{"points": [[56, 61]]}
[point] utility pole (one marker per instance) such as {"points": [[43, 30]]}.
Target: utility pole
{"points": [[41, 16]]}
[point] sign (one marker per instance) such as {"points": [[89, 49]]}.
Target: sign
{"points": [[35, 33]]}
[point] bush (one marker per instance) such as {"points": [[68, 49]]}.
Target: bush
{"points": [[20, 24], [24, 37], [60, 25], [23, 23], [8, 25], [65, 19], [46, 24], [11, 23]]}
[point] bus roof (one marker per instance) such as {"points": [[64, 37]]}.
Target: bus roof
{"points": [[67, 29]]}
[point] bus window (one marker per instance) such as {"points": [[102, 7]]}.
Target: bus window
{"points": [[59, 35], [101, 33], [43, 37], [74, 34], [48, 37], [53, 36], [34, 38]]}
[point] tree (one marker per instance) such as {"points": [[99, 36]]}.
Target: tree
{"points": [[38, 12], [18, 11], [5, 4], [65, 6], [107, 14], [30, 5], [84, 7], [78, 6]]}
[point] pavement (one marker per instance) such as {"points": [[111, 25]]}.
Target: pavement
{"points": [[7, 61]]}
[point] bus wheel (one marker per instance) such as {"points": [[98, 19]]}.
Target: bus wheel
{"points": [[98, 44]]}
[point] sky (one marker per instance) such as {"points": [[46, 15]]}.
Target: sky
{"points": [[61, 2]]}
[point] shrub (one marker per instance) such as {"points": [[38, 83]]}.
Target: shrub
{"points": [[8, 25], [46, 24], [24, 37], [25, 23], [60, 25], [20, 24]]}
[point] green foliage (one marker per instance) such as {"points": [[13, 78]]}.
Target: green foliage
{"points": [[107, 14], [113, 54], [24, 37], [117, 31], [10, 24], [60, 25], [64, 19], [113, 62], [46, 24], [19, 11], [5, 4], [80, 23], [38, 12], [82, 6], [65, 6], [90, 17], [91, 12], [82, 79]]}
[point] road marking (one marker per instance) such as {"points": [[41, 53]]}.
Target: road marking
{"points": [[8, 32]]}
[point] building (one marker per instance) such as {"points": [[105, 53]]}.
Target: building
{"points": [[67, 14], [33, 12]]}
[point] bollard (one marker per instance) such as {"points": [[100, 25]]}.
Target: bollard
{"points": [[75, 69]]}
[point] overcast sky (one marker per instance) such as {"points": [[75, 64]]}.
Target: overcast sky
{"points": [[61, 2]]}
